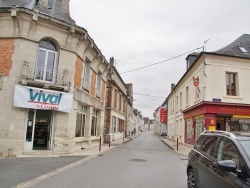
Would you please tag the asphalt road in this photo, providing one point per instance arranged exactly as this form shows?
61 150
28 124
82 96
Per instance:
14 171
143 162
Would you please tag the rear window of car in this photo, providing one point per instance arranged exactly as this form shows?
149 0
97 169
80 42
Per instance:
200 141
209 145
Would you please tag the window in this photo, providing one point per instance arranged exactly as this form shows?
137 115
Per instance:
94 123
86 79
209 144
46 62
176 106
120 102
228 151
197 90
80 121
115 98
180 100
187 95
98 85
55 6
231 79
200 141
243 49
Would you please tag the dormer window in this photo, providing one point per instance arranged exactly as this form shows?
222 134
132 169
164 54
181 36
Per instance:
243 49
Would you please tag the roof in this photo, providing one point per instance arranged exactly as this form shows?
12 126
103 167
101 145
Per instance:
20 3
40 5
233 49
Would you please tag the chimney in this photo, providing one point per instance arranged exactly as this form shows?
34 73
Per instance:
172 87
112 61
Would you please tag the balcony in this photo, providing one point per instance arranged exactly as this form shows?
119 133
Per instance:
45 76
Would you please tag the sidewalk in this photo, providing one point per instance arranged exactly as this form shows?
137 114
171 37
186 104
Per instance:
183 150
91 151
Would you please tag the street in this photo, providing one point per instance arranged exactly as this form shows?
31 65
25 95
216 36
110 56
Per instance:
142 162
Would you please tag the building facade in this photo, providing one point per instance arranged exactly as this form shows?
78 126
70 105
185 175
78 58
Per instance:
213 94
115 114
53 80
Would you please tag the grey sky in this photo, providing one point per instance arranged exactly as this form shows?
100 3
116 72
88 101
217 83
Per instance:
142 32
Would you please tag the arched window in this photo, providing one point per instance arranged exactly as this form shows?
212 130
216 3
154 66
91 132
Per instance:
46 61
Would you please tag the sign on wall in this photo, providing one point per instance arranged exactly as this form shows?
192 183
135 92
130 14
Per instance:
163 115
36 98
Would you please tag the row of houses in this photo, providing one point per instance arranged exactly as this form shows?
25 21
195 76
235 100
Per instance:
213 94
58 93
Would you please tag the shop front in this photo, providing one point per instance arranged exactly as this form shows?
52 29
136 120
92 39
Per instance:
41 105
215 116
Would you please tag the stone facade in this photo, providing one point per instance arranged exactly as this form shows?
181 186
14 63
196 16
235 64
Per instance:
22 33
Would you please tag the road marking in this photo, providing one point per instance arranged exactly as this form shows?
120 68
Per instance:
52 173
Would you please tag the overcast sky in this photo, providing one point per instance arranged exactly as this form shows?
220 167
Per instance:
138 33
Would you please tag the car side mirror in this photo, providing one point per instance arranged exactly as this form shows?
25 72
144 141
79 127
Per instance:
228 166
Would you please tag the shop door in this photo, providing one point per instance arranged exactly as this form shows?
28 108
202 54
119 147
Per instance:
39 129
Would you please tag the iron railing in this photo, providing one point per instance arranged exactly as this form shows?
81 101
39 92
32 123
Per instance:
45 73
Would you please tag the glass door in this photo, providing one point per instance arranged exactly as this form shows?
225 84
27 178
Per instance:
38 130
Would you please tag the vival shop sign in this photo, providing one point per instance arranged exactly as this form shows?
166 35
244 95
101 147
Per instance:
36 98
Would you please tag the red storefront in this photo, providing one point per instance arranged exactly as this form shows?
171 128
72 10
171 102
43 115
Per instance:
215 116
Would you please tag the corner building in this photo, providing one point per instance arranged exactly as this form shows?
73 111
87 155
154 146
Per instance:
213 94
52 80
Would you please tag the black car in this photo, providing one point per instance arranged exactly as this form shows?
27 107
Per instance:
219 159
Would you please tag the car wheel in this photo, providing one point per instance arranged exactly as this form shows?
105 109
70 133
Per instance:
191 179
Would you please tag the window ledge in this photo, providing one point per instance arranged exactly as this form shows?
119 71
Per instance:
233 97
196 100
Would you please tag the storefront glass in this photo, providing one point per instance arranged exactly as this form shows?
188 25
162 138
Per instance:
190 130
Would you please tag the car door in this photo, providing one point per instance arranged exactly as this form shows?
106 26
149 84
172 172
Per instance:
204 161
226 150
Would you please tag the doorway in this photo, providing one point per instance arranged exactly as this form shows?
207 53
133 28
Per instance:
38 137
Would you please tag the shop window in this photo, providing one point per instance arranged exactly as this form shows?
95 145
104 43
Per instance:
231 83
94 123
80 121
190 130
46 62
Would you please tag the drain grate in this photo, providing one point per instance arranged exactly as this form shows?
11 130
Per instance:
137 160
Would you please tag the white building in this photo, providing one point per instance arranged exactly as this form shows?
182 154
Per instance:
212 94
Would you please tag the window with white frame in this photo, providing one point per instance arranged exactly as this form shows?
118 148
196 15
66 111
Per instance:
180 100
46 62
197 91
187 95
86 79
177 105
80 121
231 83
94 123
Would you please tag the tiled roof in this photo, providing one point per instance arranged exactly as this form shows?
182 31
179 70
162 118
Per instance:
233 49
20 3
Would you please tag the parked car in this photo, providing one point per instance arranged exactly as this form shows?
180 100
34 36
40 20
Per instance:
219 159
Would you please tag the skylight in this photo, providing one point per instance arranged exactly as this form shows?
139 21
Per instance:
243 49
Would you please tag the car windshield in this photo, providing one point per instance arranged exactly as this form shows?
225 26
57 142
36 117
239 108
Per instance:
246 146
